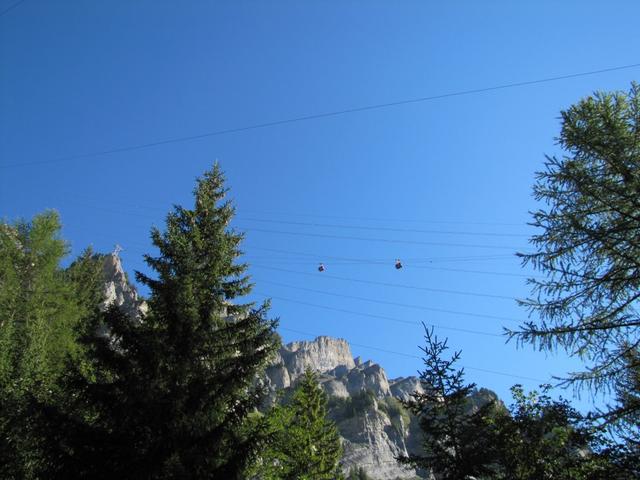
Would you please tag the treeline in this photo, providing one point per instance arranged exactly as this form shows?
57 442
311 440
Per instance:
89 392
86 391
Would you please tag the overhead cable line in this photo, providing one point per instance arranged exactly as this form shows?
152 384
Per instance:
299 214
393 352
346 260
396 304
407 263
394 285
364 260
378 219
338 237
380 317
249 229
464 270
386 229
11 7
382 240
317 116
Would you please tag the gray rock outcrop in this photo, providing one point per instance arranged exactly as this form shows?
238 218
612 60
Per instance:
322 355
371 422
118 291
403 387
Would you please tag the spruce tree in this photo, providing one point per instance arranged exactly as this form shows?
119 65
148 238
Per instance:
169 396
457 438
304 444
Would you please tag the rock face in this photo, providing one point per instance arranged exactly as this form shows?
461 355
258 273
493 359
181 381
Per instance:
403 387
363 402
373 426
323 354
117 289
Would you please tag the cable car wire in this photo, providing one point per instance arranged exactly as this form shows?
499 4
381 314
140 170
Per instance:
11 7
383 240
394 285
316 116
390 229
84 198
380 317
406 264
386 229
397 304
366 260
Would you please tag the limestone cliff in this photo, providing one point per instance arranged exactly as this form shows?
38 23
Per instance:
374 427
118 290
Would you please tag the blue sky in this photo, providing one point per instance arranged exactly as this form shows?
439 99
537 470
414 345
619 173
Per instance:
445 185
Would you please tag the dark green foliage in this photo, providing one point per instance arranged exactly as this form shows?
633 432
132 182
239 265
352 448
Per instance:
544 438
170 396
457 439
304 444
537 438
589 250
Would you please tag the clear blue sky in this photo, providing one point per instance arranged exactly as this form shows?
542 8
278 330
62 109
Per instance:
79 77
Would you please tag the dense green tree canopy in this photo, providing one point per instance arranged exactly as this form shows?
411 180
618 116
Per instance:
169 396
545 438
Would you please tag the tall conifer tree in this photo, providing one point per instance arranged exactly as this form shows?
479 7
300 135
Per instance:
170 394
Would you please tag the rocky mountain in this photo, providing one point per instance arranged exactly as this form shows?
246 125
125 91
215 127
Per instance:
117 288
363 401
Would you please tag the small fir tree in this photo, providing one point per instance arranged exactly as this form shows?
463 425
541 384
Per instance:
304 445
169 396
457 442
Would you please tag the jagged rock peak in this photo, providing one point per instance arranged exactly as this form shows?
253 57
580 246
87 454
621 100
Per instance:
117 289
322 354
403 387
